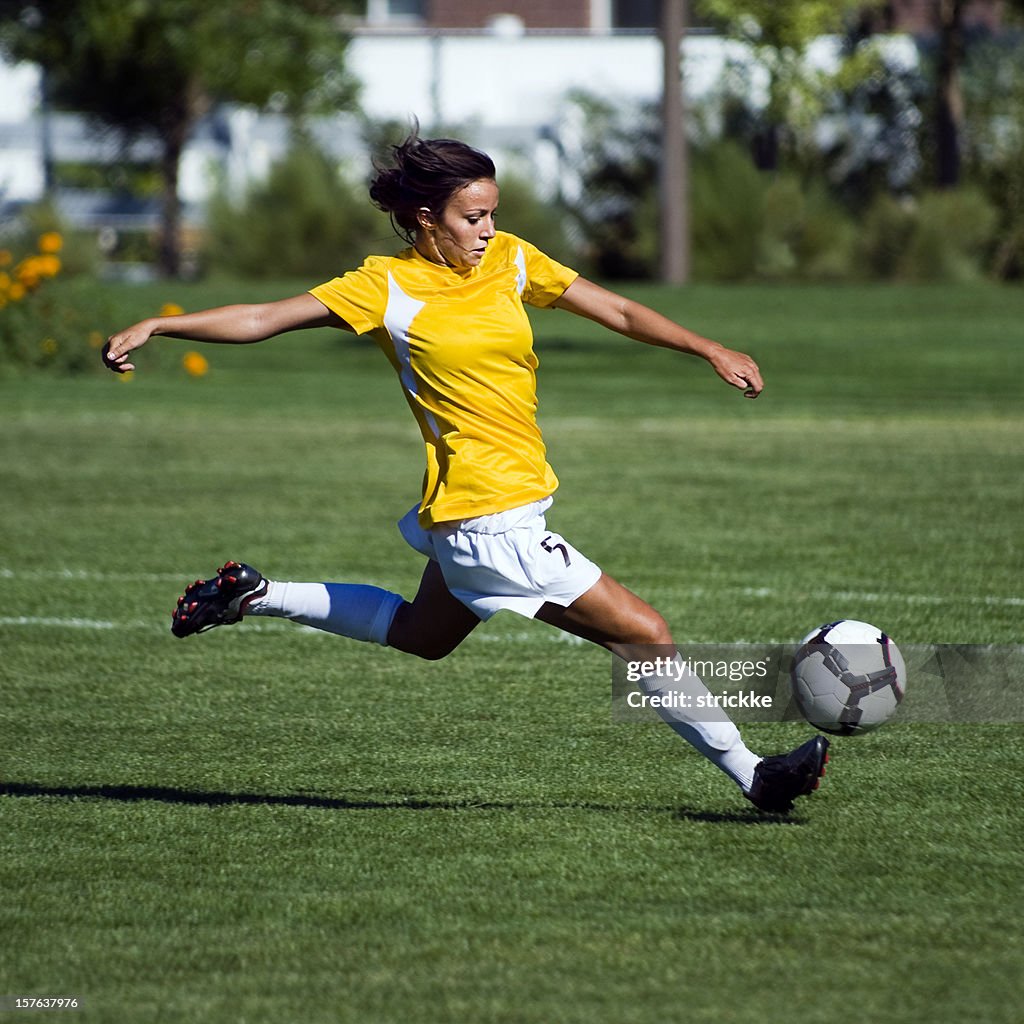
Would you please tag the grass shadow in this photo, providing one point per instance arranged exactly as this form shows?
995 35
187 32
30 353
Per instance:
748 816
204 798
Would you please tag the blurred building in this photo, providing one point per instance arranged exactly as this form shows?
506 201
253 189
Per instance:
531 15
913 16
921 17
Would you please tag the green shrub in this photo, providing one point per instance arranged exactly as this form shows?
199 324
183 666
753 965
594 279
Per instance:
525 214
727 213
747 224
305 221
884 236
79 253
804 234
942 236
47 323
952 234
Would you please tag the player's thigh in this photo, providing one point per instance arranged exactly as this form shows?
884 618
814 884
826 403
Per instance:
435 622
610 615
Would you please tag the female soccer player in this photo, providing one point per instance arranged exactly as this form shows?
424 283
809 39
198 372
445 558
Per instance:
448 312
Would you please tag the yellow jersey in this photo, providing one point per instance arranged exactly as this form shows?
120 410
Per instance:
462 346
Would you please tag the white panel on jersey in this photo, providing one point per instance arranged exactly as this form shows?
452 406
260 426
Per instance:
521 265
398 317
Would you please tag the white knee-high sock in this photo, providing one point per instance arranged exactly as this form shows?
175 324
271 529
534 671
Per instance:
709 729
348 609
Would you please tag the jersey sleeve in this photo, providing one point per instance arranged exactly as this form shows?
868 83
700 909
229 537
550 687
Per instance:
359 297
546 278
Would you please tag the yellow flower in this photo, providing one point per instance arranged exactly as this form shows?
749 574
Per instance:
126 376
196 365
28 271
96 339
6 259
48 346
50 242
5 280
171 309
47 266
16 292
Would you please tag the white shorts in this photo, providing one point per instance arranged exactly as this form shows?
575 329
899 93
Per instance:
509 560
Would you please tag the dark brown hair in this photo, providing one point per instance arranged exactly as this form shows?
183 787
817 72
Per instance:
425 173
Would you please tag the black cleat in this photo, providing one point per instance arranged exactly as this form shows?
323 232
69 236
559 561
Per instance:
780 779
217 602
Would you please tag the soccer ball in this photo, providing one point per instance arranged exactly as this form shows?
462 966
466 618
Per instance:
848 677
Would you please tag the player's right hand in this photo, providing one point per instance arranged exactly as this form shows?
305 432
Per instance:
115 352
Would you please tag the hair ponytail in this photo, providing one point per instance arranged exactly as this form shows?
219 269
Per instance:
425 173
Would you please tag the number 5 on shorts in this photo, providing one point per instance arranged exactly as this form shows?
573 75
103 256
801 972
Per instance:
552 548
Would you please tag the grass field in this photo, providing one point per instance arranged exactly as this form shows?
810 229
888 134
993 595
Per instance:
266 824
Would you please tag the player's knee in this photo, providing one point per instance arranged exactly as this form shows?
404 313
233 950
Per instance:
424 633
420 644
432 650
652 629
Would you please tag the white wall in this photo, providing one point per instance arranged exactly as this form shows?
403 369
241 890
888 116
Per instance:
19 91
21 163
515 82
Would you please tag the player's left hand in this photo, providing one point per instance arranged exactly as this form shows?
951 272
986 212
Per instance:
738 370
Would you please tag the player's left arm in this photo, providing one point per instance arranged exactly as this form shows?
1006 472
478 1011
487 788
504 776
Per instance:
641 323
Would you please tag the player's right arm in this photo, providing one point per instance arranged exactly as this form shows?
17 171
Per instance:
242 325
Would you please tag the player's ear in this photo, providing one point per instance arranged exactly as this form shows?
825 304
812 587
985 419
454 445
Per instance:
425 218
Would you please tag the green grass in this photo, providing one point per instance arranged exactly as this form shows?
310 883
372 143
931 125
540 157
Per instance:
267 824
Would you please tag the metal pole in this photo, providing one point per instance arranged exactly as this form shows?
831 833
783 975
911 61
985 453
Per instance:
674 178
46 136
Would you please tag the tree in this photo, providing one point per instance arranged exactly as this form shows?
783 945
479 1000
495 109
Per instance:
949 97
153 68
779 33
949 101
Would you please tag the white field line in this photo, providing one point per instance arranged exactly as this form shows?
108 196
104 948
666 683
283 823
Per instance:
101 625
271 626
765 593
97 625
50 620
872 597
87 575
92 576
866 596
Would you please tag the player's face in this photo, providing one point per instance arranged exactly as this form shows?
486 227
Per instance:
466 224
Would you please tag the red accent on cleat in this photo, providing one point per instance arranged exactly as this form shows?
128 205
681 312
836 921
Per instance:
219 601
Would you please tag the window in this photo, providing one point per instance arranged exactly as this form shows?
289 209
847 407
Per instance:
407 8
384 12
635 13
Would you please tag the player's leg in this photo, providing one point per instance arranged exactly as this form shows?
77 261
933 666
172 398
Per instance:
430 626
434 623
611 615
608 614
